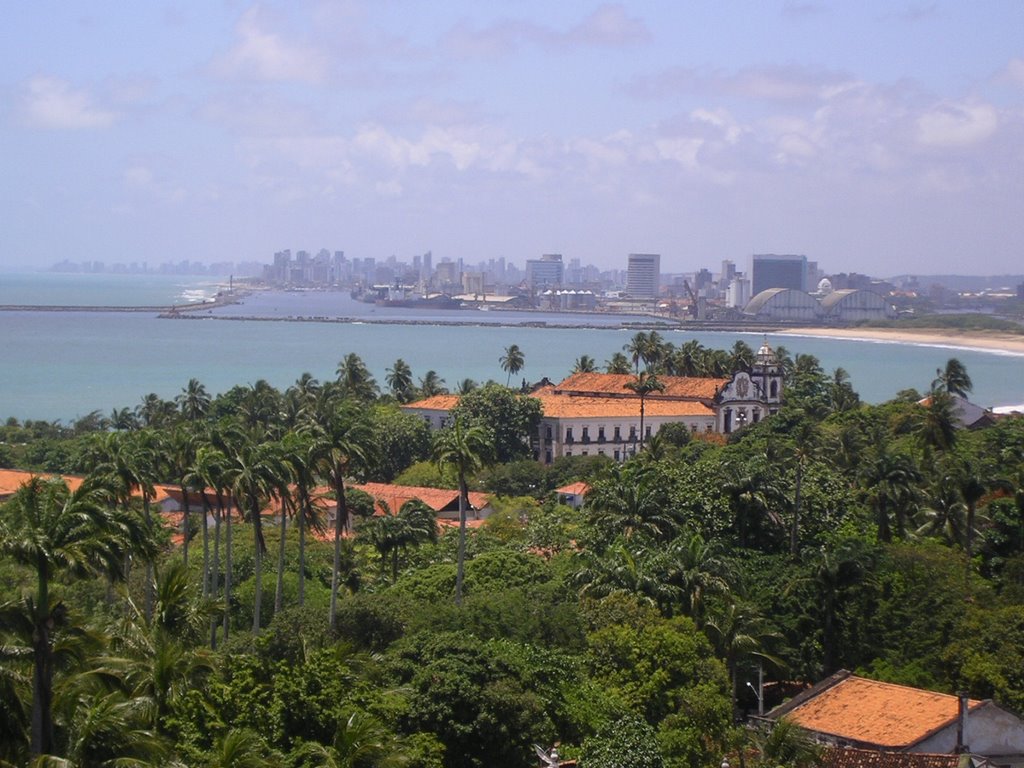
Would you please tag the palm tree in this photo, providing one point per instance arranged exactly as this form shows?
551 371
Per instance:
399 379
741 356
254 471
739 633
194 401
687 359
341 442
953 379
466 450
466 386
51 530
355 379
431 384
512 361
935 426
890 479
584 364
643 385
301 457
627 506
618 363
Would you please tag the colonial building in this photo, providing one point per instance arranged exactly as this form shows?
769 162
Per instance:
597 414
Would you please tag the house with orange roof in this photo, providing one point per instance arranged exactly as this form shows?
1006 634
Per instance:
597 414
444 502
572 494
845 710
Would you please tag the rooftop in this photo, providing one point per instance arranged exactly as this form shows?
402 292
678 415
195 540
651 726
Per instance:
683 387
870 712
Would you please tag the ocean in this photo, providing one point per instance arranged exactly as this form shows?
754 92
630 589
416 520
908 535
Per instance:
62 365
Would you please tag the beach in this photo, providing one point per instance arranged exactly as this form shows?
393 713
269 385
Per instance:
992 341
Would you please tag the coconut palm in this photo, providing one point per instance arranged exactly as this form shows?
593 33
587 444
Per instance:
52 531
618 363
953 379
466 386
465 450
431 384
194 401
512 362
254 471
399 379
342 440
643 385
355 379
739 633
584 364
889 480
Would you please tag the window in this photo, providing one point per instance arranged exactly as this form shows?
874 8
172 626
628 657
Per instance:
632 432
586 434
647 431
547 457
547 432
693 428
568 453
568 435
616 454
600 434
757 415
618 435
774 389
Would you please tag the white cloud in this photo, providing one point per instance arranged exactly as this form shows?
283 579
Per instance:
955 125
262 54
53 103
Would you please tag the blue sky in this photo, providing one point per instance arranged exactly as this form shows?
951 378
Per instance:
872 136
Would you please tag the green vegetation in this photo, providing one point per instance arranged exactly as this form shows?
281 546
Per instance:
278 621
958 322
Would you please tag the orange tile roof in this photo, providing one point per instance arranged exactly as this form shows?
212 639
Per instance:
12 479
576 489
435 498
615 384
586 407
435 403
871 712
848 757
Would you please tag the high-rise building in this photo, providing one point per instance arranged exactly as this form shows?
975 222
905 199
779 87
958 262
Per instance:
774 271
545 272
643 275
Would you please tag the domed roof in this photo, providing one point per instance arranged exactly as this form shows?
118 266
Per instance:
766 355
825 286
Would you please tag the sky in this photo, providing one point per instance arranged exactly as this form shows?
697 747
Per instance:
878 137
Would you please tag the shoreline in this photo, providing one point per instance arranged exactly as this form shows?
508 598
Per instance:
985 341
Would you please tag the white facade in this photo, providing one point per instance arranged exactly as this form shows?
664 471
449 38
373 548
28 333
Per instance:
643 275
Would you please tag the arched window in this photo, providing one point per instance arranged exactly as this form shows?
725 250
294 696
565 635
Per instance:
774 389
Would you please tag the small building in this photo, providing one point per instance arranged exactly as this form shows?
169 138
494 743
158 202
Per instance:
573 494
967 414
845 710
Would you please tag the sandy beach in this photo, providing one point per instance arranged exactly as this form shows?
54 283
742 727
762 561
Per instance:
1001 342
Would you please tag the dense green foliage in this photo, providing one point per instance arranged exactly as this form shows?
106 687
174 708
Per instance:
876 538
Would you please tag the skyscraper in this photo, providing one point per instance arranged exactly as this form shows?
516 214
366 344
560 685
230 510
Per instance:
643 275
545 272
773 271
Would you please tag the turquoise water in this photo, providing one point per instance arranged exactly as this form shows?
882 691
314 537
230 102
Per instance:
59 365
103 290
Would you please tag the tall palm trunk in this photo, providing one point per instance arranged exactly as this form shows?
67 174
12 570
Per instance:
185 525
340 522
42 677
150 592
215 569
206 545
460 567
279 590
228 566
301 522
260 547
794 534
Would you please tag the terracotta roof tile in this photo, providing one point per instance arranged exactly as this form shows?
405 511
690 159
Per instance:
576 489
615 384
12 479
871 712
838 757
435 403
435 498
565 406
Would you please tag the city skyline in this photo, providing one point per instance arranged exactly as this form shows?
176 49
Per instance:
865 136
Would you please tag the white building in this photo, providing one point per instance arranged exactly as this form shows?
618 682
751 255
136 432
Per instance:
643 275
596 414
